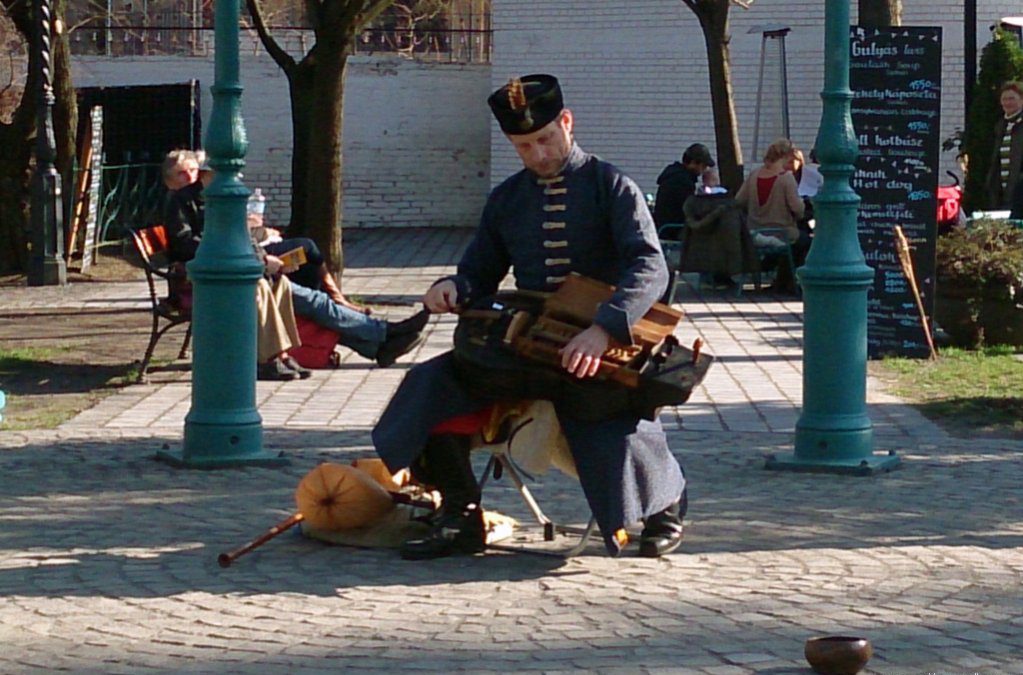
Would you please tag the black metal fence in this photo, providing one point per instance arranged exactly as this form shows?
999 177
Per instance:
173 39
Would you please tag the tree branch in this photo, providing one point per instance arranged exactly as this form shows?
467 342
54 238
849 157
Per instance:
312 13
375 10
24 118
19 12
280 57
98 12
10 70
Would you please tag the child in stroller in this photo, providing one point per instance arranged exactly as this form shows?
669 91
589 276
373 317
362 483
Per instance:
950 213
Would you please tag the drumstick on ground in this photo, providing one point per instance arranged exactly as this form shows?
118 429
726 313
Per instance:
225 559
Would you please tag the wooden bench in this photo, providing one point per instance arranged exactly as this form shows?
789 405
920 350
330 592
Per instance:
175 309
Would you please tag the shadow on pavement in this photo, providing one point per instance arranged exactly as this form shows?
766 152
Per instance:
86 514
34 378
80 511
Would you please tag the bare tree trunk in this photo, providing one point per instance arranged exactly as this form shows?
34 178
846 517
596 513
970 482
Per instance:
880 13
65 110
323 169
714 22
16 140
317 102
301 81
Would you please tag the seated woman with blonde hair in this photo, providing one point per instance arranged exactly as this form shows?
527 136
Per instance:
770 194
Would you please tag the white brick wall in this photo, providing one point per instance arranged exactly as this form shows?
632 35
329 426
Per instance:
635 73
416 145
417 141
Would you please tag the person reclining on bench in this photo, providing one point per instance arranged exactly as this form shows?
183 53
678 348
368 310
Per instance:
566 211
375 339
183 217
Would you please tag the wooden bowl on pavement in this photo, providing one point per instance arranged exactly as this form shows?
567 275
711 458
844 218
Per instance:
837 655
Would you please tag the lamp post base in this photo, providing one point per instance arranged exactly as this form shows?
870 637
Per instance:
221 446
214 461
858 466
49 271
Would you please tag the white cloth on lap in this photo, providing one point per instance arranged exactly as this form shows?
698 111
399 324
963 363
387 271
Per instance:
766 241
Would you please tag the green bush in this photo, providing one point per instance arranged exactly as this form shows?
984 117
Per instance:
1000 61
987 255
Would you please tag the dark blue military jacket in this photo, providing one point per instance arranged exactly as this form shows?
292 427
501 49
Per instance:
593 220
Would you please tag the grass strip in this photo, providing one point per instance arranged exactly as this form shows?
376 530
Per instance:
965 391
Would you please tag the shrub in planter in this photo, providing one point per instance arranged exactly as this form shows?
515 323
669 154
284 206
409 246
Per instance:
979 298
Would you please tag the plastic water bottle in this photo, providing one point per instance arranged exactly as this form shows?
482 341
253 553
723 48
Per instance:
257 203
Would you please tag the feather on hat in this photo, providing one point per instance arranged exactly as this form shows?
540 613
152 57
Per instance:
527 104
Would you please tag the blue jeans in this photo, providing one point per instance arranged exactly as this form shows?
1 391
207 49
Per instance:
358 332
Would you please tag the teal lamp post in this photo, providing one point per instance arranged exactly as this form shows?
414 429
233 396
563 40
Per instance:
223 427
834 433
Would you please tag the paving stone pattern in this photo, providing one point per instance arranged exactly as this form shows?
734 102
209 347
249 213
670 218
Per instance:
108 558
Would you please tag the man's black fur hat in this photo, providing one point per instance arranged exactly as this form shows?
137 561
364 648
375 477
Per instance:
527 103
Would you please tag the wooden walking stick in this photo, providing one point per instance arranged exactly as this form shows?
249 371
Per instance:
906 261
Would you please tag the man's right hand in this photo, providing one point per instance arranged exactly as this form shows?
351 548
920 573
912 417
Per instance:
273 264
442 297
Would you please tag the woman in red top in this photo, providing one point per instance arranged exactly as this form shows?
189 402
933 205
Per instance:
773 206
770 194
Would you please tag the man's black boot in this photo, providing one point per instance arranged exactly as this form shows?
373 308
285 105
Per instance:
662 532
458 527
454 532
414 324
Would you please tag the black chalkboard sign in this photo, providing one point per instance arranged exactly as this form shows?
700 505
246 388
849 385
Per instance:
895 76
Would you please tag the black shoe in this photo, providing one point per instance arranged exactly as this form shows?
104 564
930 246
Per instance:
275 369
784 287
300 370
662 533
414 324
457 533
722 280
395 346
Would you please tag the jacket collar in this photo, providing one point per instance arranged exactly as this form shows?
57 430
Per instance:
575 161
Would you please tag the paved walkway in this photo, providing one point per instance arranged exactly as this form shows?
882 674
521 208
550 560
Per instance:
107 558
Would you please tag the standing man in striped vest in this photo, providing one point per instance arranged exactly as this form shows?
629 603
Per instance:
1004 172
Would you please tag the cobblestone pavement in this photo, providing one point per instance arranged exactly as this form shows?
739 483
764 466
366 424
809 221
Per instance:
108 558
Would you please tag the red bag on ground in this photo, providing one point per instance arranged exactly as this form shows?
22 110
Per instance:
317 350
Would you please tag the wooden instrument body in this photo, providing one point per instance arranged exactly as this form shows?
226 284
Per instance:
572 309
